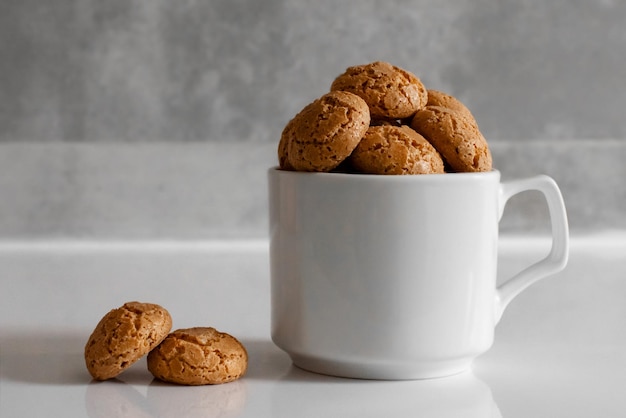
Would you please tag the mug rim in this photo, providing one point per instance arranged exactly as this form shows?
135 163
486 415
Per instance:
387 177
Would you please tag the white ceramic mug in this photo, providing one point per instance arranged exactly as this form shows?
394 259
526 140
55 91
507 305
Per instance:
394 277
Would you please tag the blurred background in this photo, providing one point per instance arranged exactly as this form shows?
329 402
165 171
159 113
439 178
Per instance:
155 119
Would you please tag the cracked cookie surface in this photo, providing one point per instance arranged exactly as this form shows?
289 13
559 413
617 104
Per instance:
441 99
324 133
389 149
283 145
389 91
123 336
198 356
457 138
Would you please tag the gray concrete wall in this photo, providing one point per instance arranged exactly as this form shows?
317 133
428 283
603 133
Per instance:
128 75
236 70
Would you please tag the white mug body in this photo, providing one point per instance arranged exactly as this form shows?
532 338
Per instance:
383 277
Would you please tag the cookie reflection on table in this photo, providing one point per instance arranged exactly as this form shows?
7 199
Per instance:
115 398
211 401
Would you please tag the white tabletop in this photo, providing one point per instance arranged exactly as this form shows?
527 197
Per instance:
559 351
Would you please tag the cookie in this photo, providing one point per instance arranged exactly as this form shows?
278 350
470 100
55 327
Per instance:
123 336
457 138
283 145
198 356
389 91
391 149
326 131
439 98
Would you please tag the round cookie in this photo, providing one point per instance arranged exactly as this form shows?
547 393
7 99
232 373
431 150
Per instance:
439 98
198 356
389 149
123 336
283 146
326 131
457 138
390 91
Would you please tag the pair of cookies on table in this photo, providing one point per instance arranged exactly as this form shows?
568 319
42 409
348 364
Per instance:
380 119
192 356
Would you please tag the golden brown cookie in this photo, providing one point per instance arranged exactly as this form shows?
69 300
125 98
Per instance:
391 149
457 138
283 145
198 356
326 131
438 98
123 336
389 91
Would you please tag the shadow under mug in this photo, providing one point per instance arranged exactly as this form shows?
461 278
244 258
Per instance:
394 277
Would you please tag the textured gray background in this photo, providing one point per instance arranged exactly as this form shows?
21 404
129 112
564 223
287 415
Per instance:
115 115
236 70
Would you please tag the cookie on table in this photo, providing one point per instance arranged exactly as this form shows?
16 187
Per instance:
198 356
123 336
325 132
441 99
389 91
389 149
456 137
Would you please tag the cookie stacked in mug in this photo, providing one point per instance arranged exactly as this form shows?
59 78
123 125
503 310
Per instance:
380 119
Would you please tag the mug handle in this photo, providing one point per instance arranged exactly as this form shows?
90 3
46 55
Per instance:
556 260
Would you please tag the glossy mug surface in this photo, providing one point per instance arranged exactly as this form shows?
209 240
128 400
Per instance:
394 277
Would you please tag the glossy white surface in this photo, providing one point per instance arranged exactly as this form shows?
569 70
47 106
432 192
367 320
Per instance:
559 350
394 277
